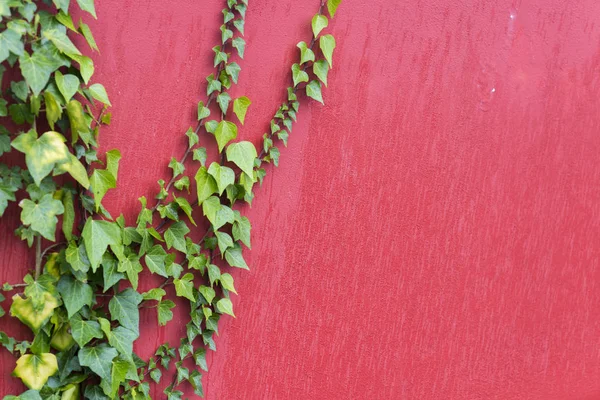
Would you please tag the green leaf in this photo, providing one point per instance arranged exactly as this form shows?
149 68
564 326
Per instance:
75 294
98 92
243 155
313 90
155 260
234 257
192 137
43 153
79 124
224 306
77 257
41 216
83 331
10 42
75 168
205 184
306 54
186 208
154 294
164 312
124 308
98 359
87 34
36 70
239 44
97 236
103 180
184 286
69 214
132 267
298 74
175 236
217 214
241 230
176 166
86 66
61 41
319 22
332 6
233 70
224 241
207 292
33 315
225 132
35 369
87 5
200 155
67 84
223 100
227 282
327 45
203 112
109 272
122 339
195 380
240 107
320 69
182 184
224 176
119 370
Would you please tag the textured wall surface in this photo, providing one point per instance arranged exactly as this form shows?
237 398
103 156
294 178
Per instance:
433 231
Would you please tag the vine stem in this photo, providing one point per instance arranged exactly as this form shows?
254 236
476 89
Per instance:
38 256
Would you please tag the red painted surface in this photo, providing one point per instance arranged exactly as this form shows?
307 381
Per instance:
433 231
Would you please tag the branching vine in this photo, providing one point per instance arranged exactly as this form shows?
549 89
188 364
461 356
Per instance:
80 298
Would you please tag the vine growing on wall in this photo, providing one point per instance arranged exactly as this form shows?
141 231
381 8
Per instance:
80 299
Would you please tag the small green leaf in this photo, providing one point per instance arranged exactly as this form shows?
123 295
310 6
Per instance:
98 92
193 138
83 331
223 100
239 44
154 294
36 70
69 214
132 267
241 230
176 166
320 69
217 214
103 180
298 74
97 236
243 155
332 6
319 22
75 294
87 5
35 369
224 306
224 241
306 54
87 34
327 45
313 90
240 107
175 236
207 292
234 257
205 184
164 312
98 359
61 41
224 176
123 307
86 66
203 112
227 282
225 132
233 70
155 260
67 84
184 286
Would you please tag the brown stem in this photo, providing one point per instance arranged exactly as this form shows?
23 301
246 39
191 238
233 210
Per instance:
38 256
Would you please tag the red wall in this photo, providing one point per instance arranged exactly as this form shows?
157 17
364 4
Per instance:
433 231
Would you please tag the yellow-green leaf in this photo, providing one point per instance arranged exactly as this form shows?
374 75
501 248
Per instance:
35 369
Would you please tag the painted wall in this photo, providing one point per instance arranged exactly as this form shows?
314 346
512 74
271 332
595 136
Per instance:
433 231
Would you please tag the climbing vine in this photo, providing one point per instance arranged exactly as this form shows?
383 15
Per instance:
81 298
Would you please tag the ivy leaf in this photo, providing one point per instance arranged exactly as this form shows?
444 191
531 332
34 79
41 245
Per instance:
124 308
122 339
109 272
61 41
43 153
86 66
155 260
225 132
186 208
233 70
319 22
154 294
75 294
132 267
224 306
203 112
176 166
207 292
224 176
239 44
200 155
313 90
192 137
35 369
83 331
224 241
205 184
217 214
241 230
97 236
327 45
234 257
243 155
87 5
320 69
77 257
105 179
10 40
175 236
306 54
164 312
87 34
30 394
119 370
36 70
67 85
298 75
184 286
98 359
98 92
80 126
195 380
41 216
75 168
240 107
31 315
223 100
332 6
227 282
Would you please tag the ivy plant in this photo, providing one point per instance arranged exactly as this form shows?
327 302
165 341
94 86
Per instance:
80 299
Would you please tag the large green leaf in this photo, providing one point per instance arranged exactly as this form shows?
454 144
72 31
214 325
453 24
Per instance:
122 339
327 45
175 236
98 359
83 331
224 176
320 69
35 369
36 70
298 74
217 214
67 84
155 260
97 236
43 153
243 155
313 90
205 184
123 307
75 294
41 216
225 132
